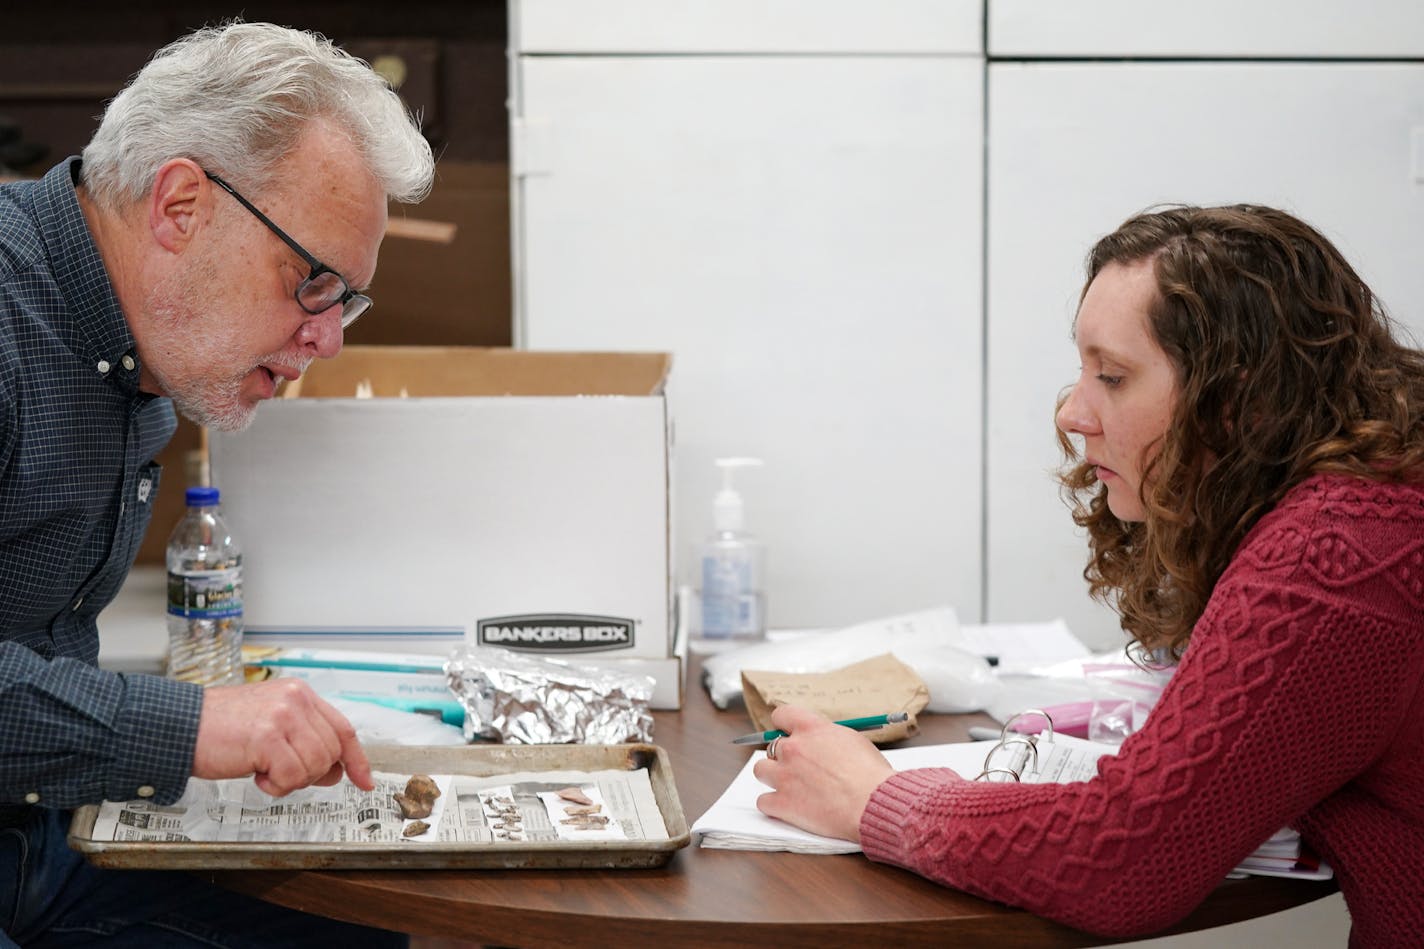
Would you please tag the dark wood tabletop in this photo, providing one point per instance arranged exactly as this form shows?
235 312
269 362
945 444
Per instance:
713 898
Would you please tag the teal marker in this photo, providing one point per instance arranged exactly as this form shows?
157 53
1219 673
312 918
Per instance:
859 724
294 662
451 713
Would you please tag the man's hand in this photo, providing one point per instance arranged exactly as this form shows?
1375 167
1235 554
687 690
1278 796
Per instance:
280 732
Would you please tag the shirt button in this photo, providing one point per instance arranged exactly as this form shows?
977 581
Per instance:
128 362
77 604
146 791
32 798
103 367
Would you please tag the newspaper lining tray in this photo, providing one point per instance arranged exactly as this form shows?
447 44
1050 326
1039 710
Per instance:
477 760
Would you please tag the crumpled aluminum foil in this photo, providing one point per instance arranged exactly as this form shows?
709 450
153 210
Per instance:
531 700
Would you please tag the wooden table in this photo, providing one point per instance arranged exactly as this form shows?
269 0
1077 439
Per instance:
713 898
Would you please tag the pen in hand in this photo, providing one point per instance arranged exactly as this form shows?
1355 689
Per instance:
859 724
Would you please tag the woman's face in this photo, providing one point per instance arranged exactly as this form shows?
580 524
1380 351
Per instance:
1127 387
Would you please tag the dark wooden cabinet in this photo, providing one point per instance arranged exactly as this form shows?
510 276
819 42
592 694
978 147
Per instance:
447 60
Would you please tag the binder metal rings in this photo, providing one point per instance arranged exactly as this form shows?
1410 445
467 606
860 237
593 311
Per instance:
1006 763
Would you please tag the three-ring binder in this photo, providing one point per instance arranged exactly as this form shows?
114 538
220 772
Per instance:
1015 750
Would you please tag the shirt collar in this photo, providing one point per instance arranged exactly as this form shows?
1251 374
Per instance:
99 334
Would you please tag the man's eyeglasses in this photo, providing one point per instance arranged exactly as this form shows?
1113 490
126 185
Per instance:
323 288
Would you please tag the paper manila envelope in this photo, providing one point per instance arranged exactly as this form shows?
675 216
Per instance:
875 686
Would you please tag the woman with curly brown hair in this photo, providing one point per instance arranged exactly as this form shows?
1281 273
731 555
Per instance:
1246 448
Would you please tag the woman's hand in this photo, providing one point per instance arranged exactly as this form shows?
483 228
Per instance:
822 776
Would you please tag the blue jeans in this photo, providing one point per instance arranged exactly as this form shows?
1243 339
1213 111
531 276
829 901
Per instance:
50 896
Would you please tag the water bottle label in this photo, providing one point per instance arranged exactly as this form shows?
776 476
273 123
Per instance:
205 594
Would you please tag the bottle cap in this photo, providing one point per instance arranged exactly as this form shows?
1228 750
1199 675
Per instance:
201 497
727 506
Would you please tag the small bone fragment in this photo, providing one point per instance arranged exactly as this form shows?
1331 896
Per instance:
576 795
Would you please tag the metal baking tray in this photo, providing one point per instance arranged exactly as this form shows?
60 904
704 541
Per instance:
478 760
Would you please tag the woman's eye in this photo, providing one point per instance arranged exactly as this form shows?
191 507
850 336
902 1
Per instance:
1112 382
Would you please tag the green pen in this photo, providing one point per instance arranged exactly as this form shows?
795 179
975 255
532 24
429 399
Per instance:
859 724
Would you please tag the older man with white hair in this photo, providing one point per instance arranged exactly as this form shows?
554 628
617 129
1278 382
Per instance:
216 237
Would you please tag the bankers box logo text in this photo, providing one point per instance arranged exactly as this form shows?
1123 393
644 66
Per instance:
557 632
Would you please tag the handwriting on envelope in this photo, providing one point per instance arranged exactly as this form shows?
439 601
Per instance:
876 686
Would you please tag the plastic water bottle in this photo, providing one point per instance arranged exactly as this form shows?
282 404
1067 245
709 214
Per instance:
204 595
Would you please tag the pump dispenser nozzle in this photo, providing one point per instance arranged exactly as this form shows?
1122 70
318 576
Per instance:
727 506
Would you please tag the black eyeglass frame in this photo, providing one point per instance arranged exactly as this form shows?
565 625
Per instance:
353 304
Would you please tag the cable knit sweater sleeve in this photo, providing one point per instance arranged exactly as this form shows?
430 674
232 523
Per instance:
1298 688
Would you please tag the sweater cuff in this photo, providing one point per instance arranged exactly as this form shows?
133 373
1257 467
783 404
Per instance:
156 731
891 811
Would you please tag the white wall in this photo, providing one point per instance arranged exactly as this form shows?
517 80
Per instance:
794 198
1076 147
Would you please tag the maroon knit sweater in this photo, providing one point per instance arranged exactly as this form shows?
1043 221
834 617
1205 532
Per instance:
1298 703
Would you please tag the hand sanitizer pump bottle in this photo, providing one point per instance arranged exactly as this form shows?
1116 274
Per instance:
733 568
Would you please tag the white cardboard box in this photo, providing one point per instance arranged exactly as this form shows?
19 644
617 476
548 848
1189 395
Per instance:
517 499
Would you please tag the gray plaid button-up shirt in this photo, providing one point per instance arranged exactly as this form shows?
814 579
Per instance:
77 480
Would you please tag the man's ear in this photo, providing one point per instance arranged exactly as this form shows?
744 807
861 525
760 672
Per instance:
179 204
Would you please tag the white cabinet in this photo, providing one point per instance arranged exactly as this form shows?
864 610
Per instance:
1075 148
681 27
803 233
1376 29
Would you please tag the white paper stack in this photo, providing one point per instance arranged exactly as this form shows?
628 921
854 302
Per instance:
734 823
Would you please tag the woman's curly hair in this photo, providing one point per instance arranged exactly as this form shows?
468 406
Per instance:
1287 366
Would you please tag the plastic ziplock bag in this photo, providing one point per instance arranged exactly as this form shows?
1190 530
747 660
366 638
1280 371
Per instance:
928 642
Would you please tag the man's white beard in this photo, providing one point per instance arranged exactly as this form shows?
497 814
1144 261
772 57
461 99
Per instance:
206 395
210 408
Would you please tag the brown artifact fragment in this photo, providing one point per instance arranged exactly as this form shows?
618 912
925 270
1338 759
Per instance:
419 797
574 794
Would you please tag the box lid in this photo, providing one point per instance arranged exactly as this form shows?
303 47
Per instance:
416 371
